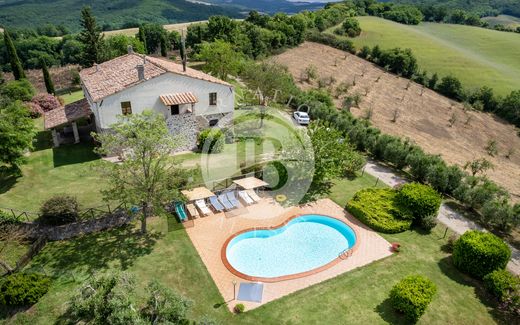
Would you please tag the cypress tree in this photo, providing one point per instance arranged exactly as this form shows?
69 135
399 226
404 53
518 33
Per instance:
16 65
142 38
91 38
49 85
164 51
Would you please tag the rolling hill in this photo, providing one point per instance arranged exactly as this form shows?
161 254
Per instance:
480 7
477 56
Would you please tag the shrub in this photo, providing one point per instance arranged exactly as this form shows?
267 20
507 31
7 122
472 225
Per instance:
412 295
34 109
479 253
47 102
59 210
377 208
428 222
351 27
22 289
211 140
18 90
420 200
501 283
239 308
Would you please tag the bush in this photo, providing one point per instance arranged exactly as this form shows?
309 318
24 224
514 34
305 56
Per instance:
479 253
239 308
420 200
428 222
22 289
349 27
211 140
34 109
47 102
378 209
59 210
501 283
412 295
18 90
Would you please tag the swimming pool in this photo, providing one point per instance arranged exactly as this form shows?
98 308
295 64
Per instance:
303 244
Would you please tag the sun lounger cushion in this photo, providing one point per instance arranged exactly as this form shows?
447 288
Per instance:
216 204
246 197
223 199
192 210
232 199
253 195
202 206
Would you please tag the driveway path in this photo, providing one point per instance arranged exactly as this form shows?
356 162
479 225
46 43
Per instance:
451 218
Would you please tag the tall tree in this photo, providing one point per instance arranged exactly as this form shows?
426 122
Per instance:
16 135
145 177
164 48
49 84
221 59
90 37
142 37
16 65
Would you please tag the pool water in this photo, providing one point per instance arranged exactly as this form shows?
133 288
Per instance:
305 243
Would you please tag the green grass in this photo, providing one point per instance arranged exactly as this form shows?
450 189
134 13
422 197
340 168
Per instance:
356 297
72 97
477 56
345 188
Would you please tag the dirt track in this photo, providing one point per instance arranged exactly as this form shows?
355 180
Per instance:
423 115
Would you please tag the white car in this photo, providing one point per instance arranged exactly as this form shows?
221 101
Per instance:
301 118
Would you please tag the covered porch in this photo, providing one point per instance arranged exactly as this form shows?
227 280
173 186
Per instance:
70 123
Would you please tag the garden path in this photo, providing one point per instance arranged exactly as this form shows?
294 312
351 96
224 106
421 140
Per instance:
451 218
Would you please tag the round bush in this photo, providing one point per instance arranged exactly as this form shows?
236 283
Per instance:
47 102
479 253
21 289
239 308
421 200
412 295
211 140
59 210
501 283
428 222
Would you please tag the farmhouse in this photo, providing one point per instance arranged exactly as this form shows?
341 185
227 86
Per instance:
189 100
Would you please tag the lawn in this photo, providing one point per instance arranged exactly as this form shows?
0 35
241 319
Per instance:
505 20
356 297
72 97
477 56
345 188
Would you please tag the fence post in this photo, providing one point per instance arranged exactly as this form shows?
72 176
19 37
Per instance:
109 211
445 232
377 181
12 211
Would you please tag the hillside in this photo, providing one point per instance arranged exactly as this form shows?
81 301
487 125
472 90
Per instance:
477 56
422 118
505 20
480 7
110 14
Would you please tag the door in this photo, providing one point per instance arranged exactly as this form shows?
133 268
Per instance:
174 109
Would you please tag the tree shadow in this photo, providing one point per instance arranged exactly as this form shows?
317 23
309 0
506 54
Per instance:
42 141
6 312
94 252
389 314
7 179
73 154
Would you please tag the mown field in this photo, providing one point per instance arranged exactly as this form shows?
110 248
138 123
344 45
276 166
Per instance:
477 56
508 21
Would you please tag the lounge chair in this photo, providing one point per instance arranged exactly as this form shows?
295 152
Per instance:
232 199
217 206
192 211
202 207
225 202
179 209
253 195
245 198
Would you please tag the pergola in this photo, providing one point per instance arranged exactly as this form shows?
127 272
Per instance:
197 193
66 115
249 183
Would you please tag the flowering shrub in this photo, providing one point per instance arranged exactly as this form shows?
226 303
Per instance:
34 109
46 102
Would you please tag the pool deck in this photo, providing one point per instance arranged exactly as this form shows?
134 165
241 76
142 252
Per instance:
210 233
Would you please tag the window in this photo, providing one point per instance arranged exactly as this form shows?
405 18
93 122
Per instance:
126 108
213 98
174 109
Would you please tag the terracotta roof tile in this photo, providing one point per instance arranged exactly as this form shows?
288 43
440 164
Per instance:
64 115
178 98
120 73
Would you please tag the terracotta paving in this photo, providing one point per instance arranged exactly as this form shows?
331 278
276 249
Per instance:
210 233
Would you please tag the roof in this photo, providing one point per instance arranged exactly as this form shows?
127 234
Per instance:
178 98
250 183
64 115
197 193
120 73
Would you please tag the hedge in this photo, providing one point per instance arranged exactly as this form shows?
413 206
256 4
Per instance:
479 253
377 208
412 295
501 283
211 140
59 210
420 200
22 289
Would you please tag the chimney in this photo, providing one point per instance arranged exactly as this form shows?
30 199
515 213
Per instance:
130 49
183 58
97 67
140 71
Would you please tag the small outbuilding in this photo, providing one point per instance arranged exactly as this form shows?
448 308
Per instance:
61 120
